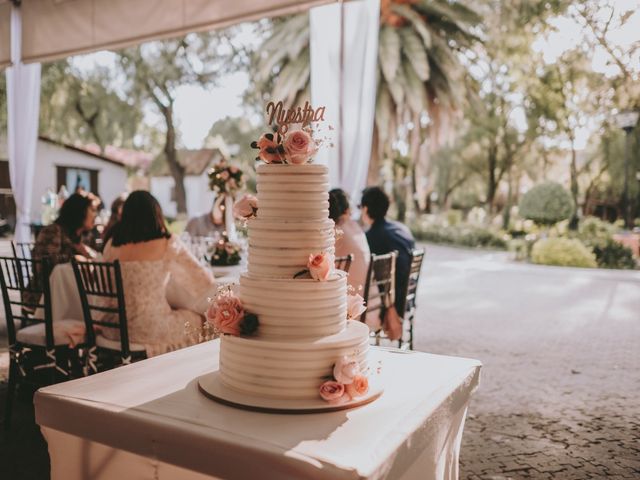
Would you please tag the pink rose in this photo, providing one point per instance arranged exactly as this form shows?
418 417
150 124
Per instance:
268 150
359 386
346 369
320 266
226 314
246 207
224 175
298 147
331 391
355 306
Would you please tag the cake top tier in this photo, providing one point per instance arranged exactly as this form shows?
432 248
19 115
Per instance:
280 168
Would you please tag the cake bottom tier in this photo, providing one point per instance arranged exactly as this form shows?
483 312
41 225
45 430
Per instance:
289 370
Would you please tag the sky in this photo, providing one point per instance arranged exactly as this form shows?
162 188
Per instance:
197 108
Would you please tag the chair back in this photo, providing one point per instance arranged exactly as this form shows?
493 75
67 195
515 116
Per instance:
102 299
380 283
22 249
417 255
344 263
26 295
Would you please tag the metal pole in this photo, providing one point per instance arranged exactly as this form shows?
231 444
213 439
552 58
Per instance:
625 192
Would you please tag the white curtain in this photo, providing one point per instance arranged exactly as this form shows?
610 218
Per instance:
23 99
343 78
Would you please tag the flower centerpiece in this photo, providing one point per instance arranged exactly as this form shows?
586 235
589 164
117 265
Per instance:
226 180
225 253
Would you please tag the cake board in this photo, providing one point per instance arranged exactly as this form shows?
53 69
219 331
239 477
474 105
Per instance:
212 387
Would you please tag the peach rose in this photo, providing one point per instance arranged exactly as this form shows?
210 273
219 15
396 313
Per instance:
226 314
298 147
224 175
331 391
320 266
355 306
269 152
359 386
346 369
246 207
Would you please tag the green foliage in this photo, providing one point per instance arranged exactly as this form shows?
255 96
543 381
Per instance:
594 232
562 252
614 255
547 203
460 235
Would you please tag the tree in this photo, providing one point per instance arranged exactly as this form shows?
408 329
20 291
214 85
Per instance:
547 203
156 70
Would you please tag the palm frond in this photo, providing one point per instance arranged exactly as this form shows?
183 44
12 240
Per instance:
415 52
389 52
416 20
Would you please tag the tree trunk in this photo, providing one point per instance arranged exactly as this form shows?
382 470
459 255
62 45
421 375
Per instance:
177 170
373 175
492 183
573 223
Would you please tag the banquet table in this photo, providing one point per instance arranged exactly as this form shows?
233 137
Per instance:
149 420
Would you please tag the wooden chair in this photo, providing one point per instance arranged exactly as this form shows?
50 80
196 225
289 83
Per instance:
22 249
103 306
37 354
344 263
417 255
379 290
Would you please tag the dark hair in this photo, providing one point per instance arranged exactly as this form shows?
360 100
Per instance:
376 201
72 215
141 220
116 206
338 203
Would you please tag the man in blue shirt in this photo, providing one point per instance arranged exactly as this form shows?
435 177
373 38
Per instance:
384 236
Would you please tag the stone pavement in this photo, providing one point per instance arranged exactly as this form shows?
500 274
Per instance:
558 397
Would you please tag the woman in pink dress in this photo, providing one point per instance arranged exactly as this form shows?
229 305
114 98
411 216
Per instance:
150 257
353 240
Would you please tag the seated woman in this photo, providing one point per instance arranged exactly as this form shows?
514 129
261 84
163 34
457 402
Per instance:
353 240
150 257
62 240
116 213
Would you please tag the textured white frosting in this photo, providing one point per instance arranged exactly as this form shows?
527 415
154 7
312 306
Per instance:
301 309
288 369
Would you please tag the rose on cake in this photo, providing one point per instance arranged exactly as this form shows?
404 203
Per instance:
333 392
246 207
270 150
347 382
355 306
298 147
320 266
359 386
227 315
346 369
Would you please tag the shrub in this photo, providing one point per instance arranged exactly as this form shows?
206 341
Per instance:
461 235
562 252
546 204
612 254
594 232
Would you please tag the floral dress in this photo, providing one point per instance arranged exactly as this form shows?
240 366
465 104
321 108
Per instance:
151 320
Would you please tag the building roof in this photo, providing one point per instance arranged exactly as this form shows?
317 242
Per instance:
195 162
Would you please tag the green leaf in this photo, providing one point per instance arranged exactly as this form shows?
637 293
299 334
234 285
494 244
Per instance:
389 52
384 112
416 20
416 97
414 50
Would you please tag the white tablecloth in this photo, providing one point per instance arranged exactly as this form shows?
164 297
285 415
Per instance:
149 420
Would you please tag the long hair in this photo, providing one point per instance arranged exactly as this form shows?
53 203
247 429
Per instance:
72 215
338 203
116 207
141 221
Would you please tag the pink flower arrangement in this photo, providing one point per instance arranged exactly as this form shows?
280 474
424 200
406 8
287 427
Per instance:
347 382
320 266
298 147
355 306
246 207
227 315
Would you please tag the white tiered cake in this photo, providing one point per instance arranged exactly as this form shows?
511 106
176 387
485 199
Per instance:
303 328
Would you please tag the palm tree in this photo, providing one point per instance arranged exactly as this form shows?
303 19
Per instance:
420 72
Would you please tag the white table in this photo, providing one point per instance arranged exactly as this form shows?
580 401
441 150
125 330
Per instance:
149 420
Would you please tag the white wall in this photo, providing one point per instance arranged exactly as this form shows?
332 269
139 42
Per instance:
112 178
199 197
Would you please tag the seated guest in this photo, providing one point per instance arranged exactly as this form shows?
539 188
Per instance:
116 213
62 240
150 256
211 224
384 236
353 240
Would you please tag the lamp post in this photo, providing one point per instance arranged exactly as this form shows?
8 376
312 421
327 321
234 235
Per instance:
627 120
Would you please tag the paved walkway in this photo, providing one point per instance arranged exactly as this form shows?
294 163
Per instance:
560 384
560 347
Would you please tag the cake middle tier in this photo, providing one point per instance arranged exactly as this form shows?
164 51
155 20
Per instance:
296 308
281 249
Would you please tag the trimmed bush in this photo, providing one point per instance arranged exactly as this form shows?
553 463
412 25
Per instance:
594 232
461 235
546 204
612 254
562 252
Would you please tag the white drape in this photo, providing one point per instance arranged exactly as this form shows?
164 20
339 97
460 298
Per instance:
348 83
23 100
